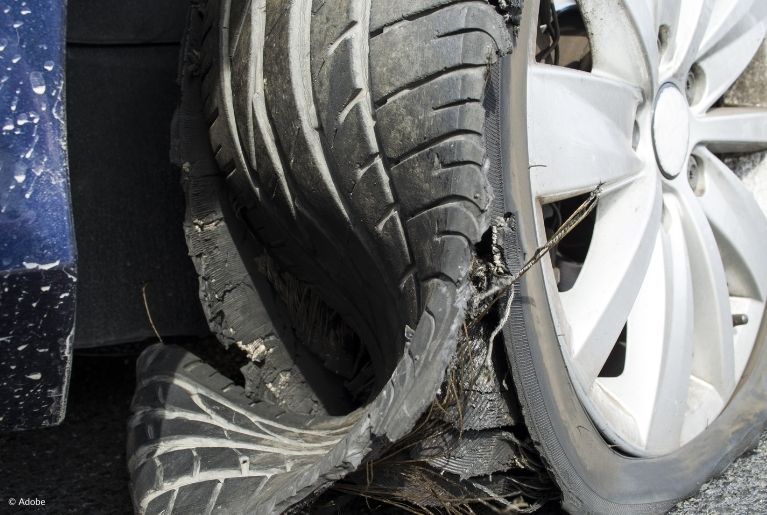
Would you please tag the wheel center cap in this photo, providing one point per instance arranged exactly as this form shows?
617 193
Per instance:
671 129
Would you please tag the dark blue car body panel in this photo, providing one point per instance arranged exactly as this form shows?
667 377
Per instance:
37 244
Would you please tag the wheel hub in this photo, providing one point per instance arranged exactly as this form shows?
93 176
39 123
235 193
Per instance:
671 130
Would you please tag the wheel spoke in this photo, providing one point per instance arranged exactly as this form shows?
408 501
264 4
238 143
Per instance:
580 131
725 16
724 62
667 14
704 403
599 303
731 129
659 345
739 225
675 367
623 39
686 38
530 17
713 360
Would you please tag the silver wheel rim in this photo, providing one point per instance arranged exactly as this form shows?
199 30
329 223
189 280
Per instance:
678 254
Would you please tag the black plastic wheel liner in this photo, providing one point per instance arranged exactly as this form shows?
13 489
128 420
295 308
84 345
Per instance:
125 22
121 69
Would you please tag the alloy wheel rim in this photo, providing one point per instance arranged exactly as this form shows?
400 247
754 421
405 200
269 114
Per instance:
676 266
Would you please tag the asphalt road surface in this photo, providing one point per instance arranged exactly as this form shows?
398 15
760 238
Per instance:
741 489
79 467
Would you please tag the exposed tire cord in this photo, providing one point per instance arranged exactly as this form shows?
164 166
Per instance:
349 147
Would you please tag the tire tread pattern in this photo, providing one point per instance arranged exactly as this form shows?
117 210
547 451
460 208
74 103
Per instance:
357 162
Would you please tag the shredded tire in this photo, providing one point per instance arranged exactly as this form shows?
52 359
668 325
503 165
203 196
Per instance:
339 146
